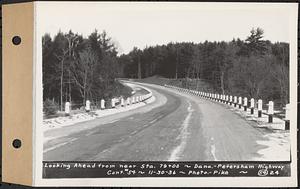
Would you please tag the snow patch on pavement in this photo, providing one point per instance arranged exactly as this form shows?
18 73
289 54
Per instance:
183 135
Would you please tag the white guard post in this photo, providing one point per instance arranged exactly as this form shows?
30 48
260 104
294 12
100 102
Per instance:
259 106
87 106
138 99
113 105
128 101
252 106
270 111
122 102
240 102
67 108
102 104
287 117
245 103
235 101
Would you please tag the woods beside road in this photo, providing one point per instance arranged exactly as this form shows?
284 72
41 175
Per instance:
179 93
176 126
78 68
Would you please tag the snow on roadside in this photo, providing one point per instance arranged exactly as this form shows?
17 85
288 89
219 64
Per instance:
278 124
59 122
275 143
276 147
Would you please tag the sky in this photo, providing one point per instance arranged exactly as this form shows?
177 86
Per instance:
148 24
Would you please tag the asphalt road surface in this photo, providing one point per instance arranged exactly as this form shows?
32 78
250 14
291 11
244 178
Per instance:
176 127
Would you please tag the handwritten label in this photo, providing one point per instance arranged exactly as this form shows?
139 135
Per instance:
162 169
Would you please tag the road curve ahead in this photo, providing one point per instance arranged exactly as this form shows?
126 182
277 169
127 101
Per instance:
176 127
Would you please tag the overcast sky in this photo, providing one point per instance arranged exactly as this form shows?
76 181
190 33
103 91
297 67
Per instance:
146 24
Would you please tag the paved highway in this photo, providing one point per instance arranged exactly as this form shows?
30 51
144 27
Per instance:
176 127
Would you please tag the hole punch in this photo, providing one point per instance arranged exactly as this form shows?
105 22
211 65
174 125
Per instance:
17 143
16 40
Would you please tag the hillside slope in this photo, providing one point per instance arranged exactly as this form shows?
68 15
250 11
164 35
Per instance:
195 84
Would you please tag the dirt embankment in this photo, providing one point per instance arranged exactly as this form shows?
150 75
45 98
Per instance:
195 84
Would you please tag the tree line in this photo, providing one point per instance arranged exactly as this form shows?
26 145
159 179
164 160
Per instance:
77 68
253 67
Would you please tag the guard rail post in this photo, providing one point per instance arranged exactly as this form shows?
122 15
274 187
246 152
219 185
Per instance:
252 106
287 117
67 108
270 111
259 107
102 104
113 105
235 101
128 101
245 104
122 102
87 106
240 102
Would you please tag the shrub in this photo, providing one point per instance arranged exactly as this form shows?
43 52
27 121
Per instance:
50 107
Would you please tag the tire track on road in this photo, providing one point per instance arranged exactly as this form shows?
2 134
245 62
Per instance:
183 136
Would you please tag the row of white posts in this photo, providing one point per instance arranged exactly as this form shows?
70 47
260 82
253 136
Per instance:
114 101
241 103
127 102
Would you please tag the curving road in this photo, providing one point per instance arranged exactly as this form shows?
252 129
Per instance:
176 127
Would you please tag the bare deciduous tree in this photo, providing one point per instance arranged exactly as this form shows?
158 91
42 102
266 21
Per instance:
83 71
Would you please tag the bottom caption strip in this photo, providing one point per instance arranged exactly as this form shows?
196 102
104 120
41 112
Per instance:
164 169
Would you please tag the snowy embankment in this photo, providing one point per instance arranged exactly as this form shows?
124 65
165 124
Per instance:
276 147
276 142
58 122
277 124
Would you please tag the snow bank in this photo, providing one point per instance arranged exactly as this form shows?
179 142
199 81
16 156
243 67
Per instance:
278 124
277 147
276 144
